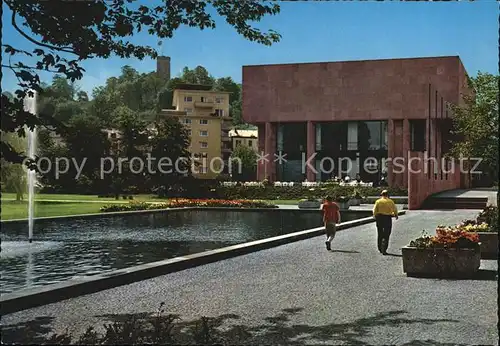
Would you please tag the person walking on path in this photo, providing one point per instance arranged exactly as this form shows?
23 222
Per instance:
331 217
383 211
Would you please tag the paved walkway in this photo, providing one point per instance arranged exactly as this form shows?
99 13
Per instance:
490 193
301 294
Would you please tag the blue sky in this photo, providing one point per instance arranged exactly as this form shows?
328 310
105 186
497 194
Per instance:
317 31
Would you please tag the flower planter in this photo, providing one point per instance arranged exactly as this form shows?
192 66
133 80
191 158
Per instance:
441 263
309 204
489 245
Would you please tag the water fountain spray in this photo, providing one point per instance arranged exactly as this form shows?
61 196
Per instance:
31 106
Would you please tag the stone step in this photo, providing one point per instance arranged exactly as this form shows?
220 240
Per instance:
455 203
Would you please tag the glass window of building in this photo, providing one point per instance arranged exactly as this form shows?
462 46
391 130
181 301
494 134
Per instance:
417 135
372 135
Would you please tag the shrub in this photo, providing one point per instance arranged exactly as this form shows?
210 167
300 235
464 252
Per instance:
357 194
486 221
297 191
489 215
158 329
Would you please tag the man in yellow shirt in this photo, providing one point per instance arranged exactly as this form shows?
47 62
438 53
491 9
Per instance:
383 211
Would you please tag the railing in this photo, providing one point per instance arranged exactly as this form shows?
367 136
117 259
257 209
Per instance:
204 104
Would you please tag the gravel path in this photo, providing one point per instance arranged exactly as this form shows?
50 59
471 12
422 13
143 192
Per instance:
301 294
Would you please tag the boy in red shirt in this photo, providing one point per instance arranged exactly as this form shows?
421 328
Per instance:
331 217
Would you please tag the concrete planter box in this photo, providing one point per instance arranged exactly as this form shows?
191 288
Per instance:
344 205
309 204
441 263
354 201
489 245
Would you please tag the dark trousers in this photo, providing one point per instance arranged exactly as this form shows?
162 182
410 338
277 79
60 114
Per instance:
384 228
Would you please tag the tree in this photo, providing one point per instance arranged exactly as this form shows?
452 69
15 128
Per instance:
476 123
140 93
227 84
84 129
248 159
13 174
235 109
64 33
170 141
105 101
132 144
82 96
62 100
61 89
199 75
66 110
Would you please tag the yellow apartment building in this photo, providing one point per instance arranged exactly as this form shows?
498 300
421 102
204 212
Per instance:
206 115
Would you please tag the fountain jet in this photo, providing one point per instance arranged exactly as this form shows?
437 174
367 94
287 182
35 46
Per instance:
30 106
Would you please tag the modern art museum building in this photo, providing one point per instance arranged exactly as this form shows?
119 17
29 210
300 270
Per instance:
317 120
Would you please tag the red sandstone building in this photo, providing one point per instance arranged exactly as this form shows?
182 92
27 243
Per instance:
353 110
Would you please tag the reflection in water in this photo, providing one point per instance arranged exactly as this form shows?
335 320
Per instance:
86 246
29 270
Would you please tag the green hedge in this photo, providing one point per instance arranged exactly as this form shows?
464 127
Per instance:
300 192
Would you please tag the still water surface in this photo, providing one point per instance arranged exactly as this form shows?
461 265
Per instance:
66 249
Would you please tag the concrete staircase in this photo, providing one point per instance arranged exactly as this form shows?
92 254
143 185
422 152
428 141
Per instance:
451 203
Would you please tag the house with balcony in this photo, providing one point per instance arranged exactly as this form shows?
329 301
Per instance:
205 113
247 138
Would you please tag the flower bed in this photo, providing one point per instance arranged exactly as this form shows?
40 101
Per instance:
181 203
220 203
133 206
452 252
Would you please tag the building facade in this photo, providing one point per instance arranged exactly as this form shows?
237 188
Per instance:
205 113
355 118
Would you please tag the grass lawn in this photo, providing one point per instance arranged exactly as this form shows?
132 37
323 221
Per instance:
83 204
75 197
284 201
145 197
19 210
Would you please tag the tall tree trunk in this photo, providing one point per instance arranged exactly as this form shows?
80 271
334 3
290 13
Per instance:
19 195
